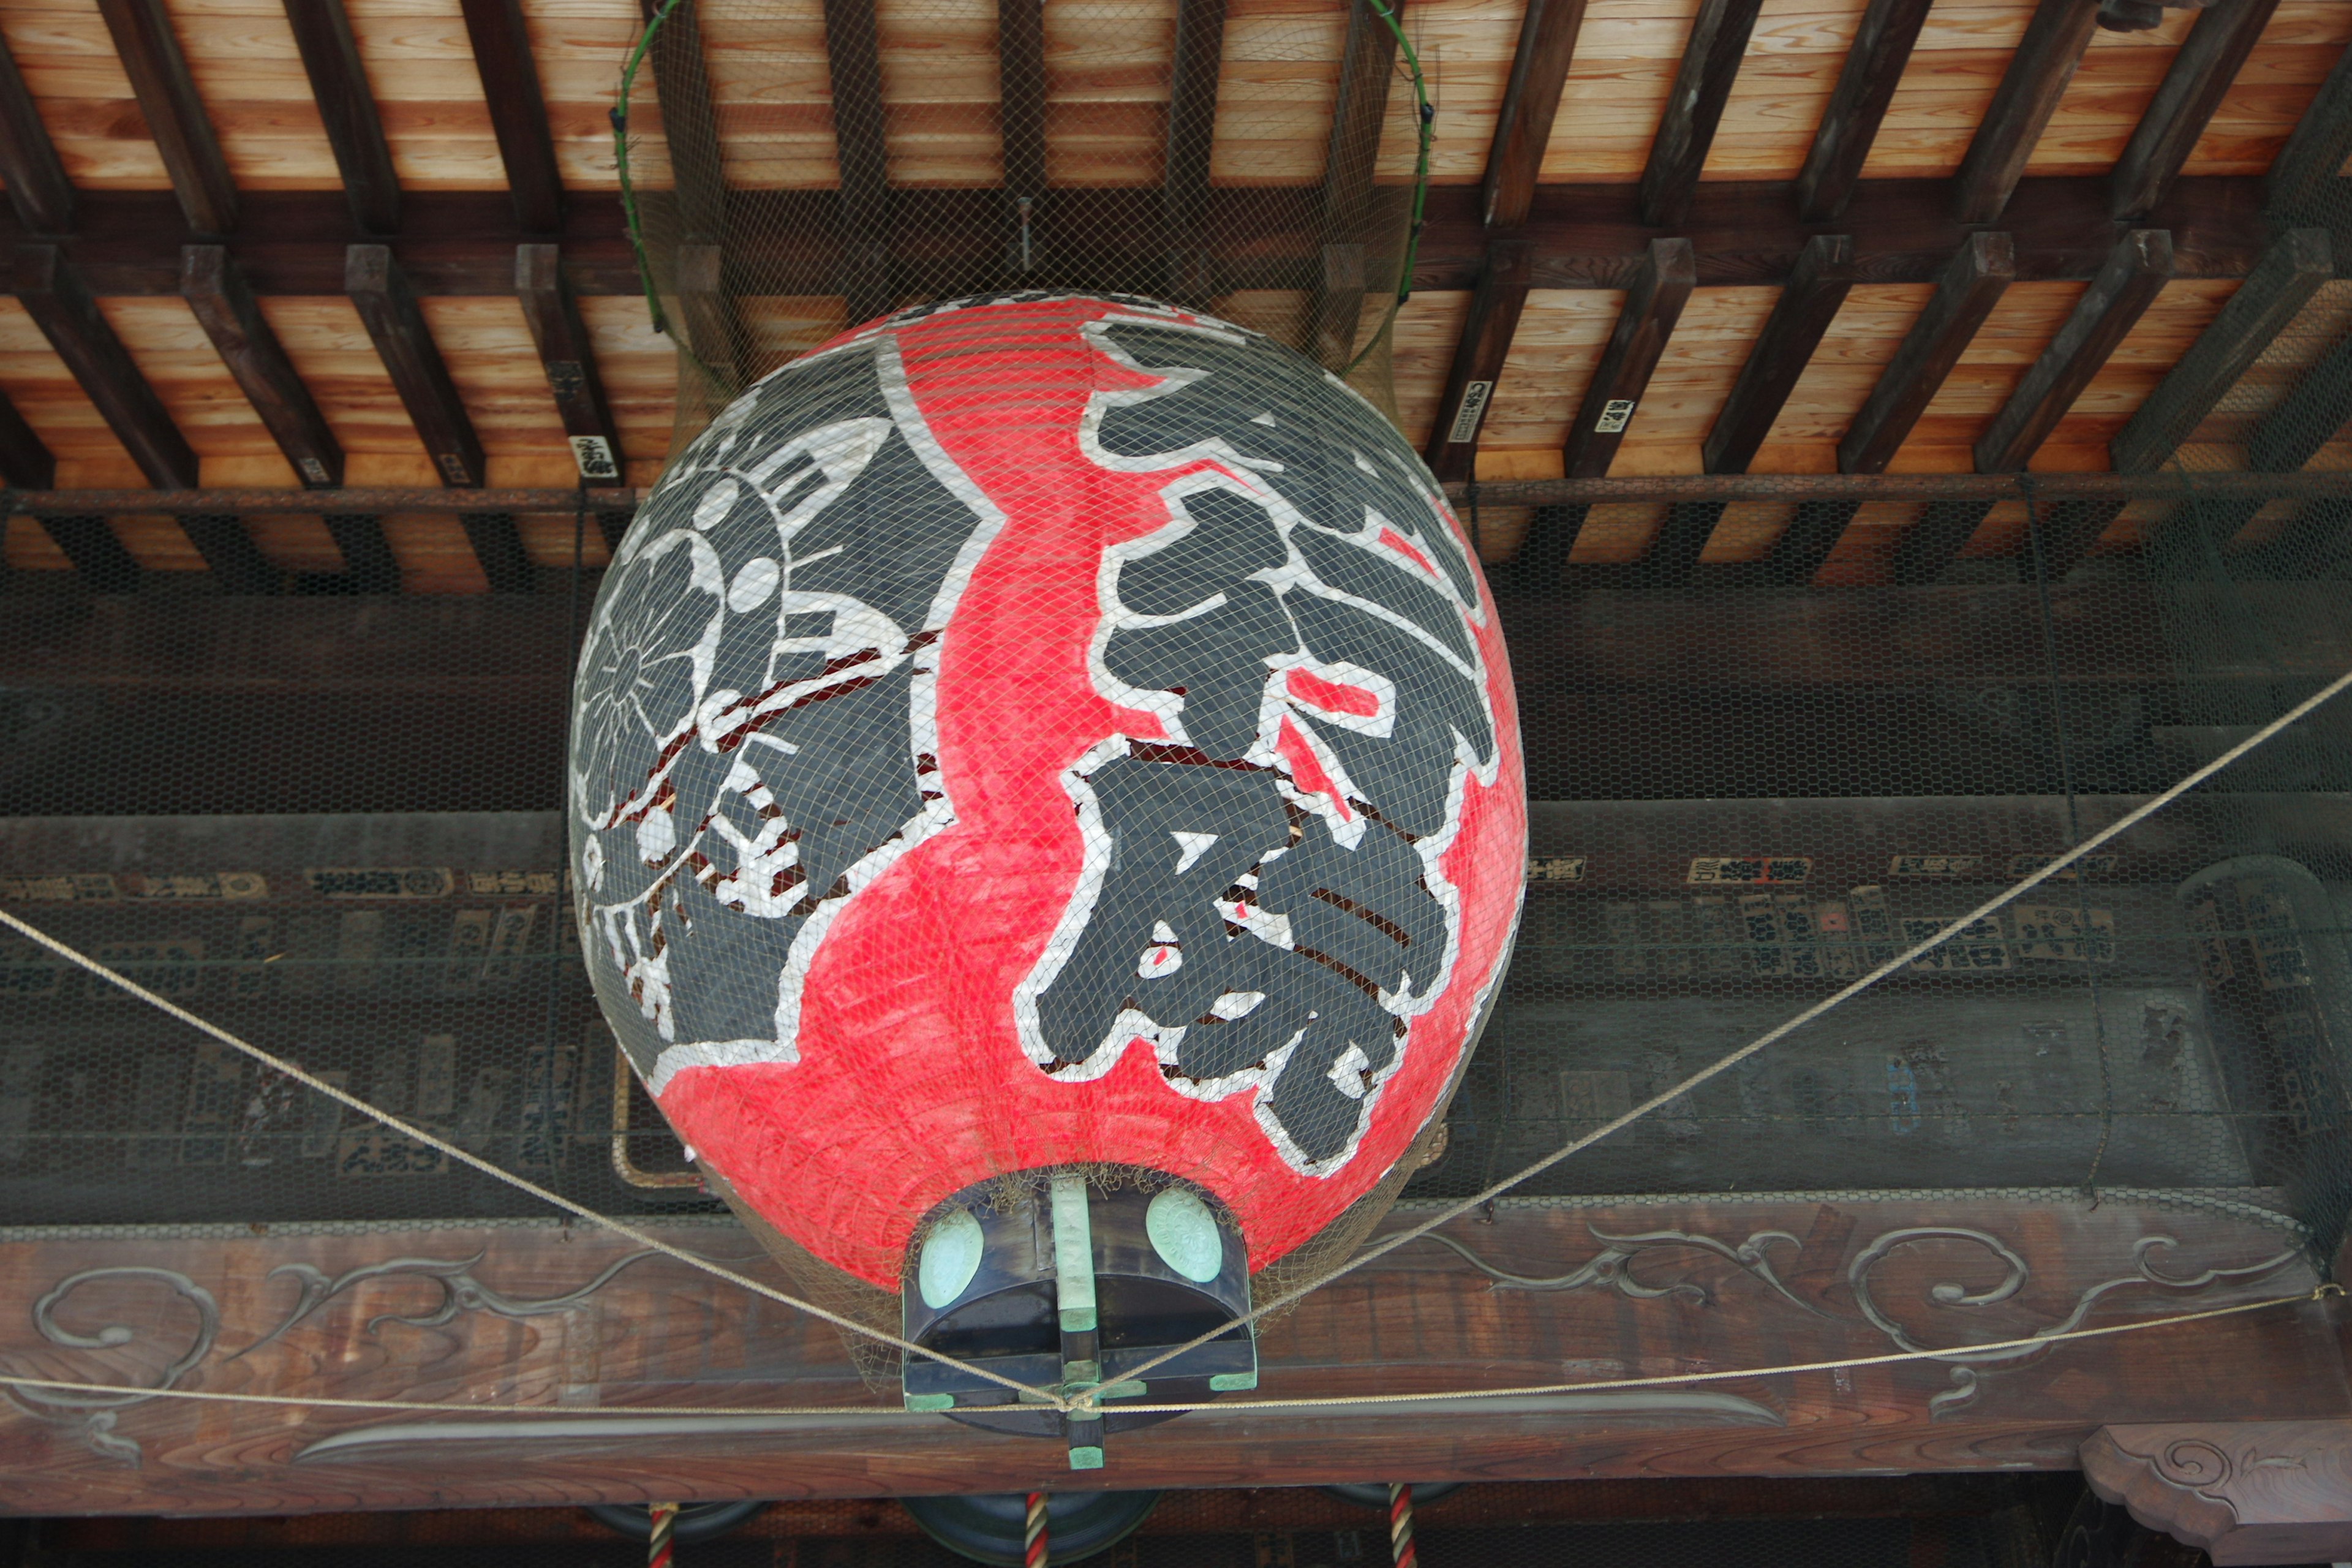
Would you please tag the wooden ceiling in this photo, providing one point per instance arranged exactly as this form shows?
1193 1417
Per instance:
1971 234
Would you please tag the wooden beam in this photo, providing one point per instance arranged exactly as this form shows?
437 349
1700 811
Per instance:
37 187
1719 41
1799 318
2135 273
1192 79
498 549
369 564
1021 93
95 552
854 62
2200 74
714 333
224 305
1971 283
62 306
1478 358
1813 531
690 120
2303 174
331 55
174 111
2312 413
26 463
1367 64
388 309
570 361
2021 106
1873 66
1654 304
2296 264
519 120
229 553
1547 33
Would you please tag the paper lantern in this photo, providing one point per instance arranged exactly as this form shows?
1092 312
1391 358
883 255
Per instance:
1042 733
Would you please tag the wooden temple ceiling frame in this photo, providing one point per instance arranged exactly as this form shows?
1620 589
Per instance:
1661 238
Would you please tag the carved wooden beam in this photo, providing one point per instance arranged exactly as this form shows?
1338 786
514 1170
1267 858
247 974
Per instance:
511 85
1494 309
2304 172
1547 33
37 187
224 305
2243 1491
174 111
2193 88
347 108
1367 62
62 306
570 361
2021 106
1873 66
854 65
1191 128
1719 41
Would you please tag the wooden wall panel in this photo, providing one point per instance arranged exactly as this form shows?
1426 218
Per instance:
2304 40
2005 347
1106 64
1281 77
1793 59
1560 338
1625 62
939 91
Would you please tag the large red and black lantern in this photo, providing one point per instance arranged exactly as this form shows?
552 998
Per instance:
1046 733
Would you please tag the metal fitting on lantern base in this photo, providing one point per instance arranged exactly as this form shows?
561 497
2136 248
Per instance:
1061 1285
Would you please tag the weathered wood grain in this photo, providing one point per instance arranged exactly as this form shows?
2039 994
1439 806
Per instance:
389 309
1654 304
1479 359
1710 66
331 54
224 305
37 187
177 118
1874 68
518 110
2029 91
1972 283
2201 74
1523 126
61 304
2241 1491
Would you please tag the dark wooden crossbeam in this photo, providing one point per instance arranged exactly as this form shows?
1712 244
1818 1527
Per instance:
395 324
689 117
2021 106
331 56
1192 76
1718 40
235 562
224 305
95 553
2304 173
26 462
2200 74
1020 125
1873 66
518 110
1547 33
1971 284
2309 417
175 112
854 61
37 187
1367 64
570 361
62 306
369 564
1494 309
2297 263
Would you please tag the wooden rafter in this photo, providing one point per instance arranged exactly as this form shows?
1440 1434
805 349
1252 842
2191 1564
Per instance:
570 361
177 118
854 61
1486 333
2028 96
1190 142
501 42
95 553
2305 169
1717 43
1971 283
347 108
2216 49
1547 34
1020 119
224 305
37 187
229 553
62 306
395 324
26 463
1866 86
1367 63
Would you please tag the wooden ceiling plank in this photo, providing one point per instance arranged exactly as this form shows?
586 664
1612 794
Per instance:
1654 304
395 324
2136 272
2201 75
37 187
1495 306
853 63
95 552
1710 65
1873 66
2289 272
1971 284
1359 112
568 357
230 554
2305 170
518 106
1192 82
1547 34
174 111
1800 318
224 305
2037 78
347 107
62 306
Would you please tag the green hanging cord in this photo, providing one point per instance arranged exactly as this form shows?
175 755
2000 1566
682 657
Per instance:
620 115
1426 115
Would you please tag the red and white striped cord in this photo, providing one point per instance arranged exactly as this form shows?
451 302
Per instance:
1400 1524
657 1544
1034 1544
